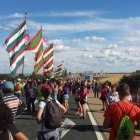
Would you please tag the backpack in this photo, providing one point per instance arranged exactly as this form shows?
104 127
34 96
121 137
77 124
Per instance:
52 118
17 88
126 127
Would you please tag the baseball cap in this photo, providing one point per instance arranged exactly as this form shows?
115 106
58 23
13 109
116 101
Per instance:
8 85
18 79
45 86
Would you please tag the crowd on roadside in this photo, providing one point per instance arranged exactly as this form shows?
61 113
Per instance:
54 95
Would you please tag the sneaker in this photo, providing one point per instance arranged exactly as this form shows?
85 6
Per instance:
102 109
84 118
81 114
76 113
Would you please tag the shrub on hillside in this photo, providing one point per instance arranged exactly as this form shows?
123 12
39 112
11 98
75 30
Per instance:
132 80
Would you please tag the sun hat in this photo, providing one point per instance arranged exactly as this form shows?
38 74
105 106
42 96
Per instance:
8 85
18 79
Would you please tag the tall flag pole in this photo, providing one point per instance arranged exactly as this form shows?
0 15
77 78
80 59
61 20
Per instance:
58 70
25 40
36 45
48 60
15 47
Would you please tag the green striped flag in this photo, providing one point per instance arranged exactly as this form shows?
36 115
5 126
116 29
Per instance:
36 45
15 47
48 60
58 70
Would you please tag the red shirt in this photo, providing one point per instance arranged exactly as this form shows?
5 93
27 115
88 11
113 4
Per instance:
81 94
115 114
104 92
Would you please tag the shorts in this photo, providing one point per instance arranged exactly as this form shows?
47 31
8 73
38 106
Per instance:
103 99
48 135
82 102
65 96
14 130
77 100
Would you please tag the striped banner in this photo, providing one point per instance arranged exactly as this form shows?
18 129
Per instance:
48 60
15 47
58 70
36 45
101 73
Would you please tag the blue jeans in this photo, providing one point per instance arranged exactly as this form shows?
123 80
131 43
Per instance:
19 95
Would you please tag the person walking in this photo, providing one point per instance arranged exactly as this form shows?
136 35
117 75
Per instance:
82 95
96 90
112 96
104 91
120 109
66 92
16 106
43 132
77 100
18 89
32 98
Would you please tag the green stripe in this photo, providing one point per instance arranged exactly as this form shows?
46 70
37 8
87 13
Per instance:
17 64
15 54
48 47
49 66
18 29
16 40
58 69
35 41
35 69
56 74
38 52
48 55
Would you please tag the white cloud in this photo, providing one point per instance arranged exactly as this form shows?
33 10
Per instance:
87 38
112 46
86 56
95 38
61 48
16 15
56 42
66 14
129 50
87 49
136 33
76 40
58 45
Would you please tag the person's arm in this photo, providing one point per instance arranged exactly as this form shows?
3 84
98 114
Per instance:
107 123
63 109
20 136
137 127
39 114
20 109
22 90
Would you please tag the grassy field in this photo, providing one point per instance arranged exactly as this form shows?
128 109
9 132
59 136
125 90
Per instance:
113 78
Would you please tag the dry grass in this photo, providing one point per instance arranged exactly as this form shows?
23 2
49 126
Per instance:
113 78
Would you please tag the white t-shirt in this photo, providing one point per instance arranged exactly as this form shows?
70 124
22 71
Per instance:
43 104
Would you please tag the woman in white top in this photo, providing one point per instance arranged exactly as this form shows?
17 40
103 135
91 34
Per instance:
43 132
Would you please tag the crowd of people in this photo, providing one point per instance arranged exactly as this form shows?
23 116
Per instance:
46 91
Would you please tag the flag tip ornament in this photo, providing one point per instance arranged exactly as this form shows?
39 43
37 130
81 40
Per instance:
25 15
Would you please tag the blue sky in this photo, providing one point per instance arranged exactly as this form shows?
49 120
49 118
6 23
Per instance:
88 35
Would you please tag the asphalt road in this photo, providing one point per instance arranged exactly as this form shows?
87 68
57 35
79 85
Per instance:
73 128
